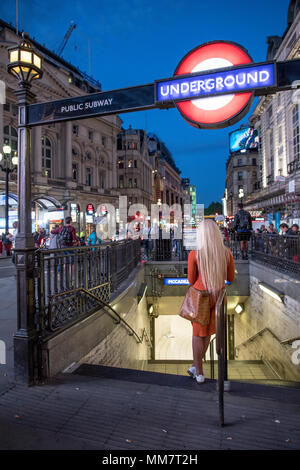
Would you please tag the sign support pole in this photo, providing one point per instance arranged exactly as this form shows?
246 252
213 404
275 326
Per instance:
25 337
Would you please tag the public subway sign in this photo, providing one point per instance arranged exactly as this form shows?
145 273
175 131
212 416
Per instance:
213 86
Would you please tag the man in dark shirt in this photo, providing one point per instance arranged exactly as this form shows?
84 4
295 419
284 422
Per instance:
243 226
68 234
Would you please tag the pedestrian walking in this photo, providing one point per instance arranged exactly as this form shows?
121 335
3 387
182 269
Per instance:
54 238
93 238
67 234
208 268
7 243
243 226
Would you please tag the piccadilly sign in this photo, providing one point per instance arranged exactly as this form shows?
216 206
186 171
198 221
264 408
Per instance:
213 86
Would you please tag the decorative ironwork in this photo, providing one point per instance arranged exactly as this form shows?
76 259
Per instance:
68 307
68 281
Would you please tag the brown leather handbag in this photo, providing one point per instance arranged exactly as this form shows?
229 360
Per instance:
196 306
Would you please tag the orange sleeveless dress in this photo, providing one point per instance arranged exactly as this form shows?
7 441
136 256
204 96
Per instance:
195 279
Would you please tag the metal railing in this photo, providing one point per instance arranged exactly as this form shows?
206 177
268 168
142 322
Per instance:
280 252
68 281
165 250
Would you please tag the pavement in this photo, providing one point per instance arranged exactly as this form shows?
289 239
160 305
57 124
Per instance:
103 408
8 319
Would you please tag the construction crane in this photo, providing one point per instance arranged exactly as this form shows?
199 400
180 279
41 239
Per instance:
65 39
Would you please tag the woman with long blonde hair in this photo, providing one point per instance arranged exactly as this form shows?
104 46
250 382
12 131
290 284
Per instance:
208 268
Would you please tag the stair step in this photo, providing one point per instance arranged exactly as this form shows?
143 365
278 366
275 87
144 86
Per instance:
287 392
141 376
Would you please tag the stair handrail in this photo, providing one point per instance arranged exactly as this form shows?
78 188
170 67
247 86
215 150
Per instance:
105 304
221 349
260 332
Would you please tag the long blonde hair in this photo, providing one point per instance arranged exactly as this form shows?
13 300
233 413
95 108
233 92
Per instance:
212 256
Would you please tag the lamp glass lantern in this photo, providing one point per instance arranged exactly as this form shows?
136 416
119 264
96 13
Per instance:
7 149
24 62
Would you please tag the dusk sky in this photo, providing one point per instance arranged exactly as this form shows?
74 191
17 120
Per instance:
134 42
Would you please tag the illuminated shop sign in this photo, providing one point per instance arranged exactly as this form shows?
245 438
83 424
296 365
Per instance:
90 210
177 281
241 79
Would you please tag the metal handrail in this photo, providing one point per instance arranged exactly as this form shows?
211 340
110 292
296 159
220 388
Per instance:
260 332
221 350
105 304
218 318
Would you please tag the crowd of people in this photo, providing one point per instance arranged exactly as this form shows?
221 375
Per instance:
60 236
265 237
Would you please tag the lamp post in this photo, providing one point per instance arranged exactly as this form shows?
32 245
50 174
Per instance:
26 65
8 164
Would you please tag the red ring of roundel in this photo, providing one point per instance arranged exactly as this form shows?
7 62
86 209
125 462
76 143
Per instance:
220 49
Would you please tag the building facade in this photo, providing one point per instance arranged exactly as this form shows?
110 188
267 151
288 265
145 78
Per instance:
241 179
74 164
277 190
134 167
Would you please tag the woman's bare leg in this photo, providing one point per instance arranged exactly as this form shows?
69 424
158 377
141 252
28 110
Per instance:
200 345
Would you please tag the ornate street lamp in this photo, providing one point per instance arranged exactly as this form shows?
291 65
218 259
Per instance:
24 62
8 164
26 65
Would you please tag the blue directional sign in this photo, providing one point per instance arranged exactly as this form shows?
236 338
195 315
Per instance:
232 80
176 281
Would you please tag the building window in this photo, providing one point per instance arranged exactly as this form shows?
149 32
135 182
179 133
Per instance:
75 130
271 148
132 145
278 99
88 176
102 179
240 176
121 162
10 137
270 113
46 156
121 181
240 161
280 135
130 163
88 156
11 108
91 136
104 141
74 171
135 183
253 161
296 147
130 183
135 163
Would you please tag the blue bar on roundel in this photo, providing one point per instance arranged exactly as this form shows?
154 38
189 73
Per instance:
233 80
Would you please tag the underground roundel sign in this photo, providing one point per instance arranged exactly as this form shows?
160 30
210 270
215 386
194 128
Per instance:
217 111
